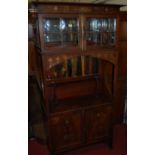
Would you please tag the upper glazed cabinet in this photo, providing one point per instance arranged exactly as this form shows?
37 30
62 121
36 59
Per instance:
77 28
73 31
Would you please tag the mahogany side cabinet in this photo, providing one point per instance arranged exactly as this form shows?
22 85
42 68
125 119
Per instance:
77 48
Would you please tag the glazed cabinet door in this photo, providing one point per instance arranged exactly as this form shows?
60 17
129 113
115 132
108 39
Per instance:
100 32
59 32
65 130
98 123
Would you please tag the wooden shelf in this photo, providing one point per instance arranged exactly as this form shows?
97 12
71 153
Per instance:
81 102
72 79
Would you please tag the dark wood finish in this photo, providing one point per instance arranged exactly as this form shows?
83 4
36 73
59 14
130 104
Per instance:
31 47
80 108
122 69
65 130
98 123
45 7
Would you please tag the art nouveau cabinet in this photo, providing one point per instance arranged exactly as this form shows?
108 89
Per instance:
77 48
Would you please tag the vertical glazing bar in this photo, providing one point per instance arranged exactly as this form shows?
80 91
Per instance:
61 30
83 32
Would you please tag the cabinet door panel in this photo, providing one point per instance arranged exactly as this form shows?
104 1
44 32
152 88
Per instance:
60 31
65 130
98 122
101 31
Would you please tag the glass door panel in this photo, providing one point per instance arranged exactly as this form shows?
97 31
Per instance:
51 25
93 38
101 32
52 38
69 25
61 31
70 38
94 25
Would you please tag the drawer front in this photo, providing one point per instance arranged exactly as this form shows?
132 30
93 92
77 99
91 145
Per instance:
65 130
98 123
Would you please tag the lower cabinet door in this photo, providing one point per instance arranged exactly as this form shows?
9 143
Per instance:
98 123
65 130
